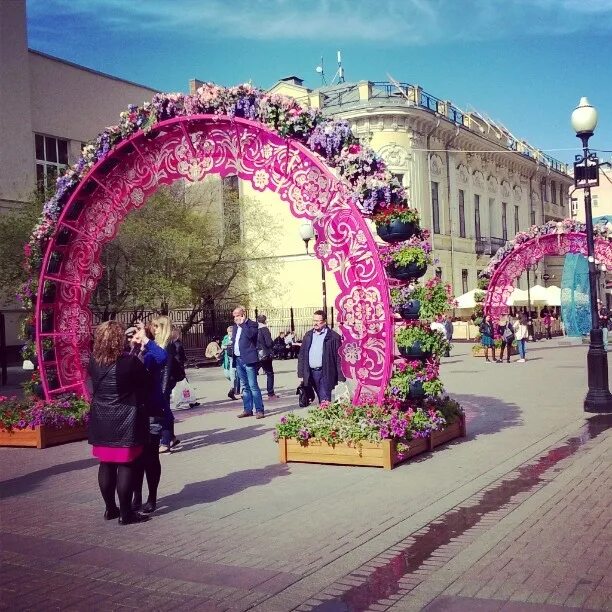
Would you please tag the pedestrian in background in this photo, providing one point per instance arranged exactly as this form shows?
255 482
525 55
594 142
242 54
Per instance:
227 362
487 334
505 331
264 352
319 360
604 320
245 333
521 332
448 327
118 420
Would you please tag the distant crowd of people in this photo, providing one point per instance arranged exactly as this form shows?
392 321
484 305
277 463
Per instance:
133 372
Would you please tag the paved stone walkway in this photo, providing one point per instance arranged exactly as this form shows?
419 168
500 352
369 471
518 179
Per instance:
516 516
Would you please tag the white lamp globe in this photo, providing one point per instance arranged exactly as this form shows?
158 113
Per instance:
584 118
307 231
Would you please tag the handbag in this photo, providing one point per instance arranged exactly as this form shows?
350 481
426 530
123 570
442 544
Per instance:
508 334
305 395
182 395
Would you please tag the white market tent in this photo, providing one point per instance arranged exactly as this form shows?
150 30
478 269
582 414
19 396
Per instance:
553 296
518 296
466 300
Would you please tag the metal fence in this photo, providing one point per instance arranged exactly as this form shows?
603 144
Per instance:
213 323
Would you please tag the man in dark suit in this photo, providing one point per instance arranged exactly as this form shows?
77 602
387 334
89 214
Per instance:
318 360
244 339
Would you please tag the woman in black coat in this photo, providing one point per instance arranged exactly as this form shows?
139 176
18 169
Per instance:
118 424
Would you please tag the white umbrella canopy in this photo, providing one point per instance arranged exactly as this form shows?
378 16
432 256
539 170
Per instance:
518 296
553 296
467 300
538 295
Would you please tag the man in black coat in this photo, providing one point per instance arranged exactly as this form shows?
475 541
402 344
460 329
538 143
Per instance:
319 361
244 341
264 351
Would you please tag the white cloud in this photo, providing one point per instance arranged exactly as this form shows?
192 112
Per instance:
395 21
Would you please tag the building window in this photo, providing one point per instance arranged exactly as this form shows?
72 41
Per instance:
399 176
464 281
516 219
561 195
461 213
533 216
504 220
51 159
435 207
439 273
553 191
595 201
574 207
477 216
231 210
543 190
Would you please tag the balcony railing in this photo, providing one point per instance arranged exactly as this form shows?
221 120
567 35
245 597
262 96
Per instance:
415 95
489 245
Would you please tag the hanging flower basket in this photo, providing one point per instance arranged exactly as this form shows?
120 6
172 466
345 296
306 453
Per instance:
396 230
406 272
415 351
416 390
409 311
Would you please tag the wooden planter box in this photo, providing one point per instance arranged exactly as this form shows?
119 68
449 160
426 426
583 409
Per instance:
42 436
383 454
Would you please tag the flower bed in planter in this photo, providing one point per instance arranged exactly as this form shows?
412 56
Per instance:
42 436
41 423
367 435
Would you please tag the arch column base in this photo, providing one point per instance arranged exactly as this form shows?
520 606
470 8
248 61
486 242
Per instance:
598 398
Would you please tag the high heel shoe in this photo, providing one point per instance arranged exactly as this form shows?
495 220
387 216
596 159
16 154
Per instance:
135 517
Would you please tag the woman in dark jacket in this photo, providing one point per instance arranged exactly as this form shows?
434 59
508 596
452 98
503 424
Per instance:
118 421
487 333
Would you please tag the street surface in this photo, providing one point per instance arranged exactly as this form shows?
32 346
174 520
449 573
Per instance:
517 516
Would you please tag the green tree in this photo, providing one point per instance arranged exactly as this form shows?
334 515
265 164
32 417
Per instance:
15 228
183 249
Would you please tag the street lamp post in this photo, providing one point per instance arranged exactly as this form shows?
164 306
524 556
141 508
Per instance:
586 175
307 233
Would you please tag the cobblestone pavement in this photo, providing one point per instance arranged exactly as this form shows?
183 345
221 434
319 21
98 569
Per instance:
514 517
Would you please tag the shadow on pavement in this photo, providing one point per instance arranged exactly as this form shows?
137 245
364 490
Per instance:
197 439
215 489
28 482
488 415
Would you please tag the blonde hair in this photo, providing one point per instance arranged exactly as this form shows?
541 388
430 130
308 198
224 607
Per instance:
109 342
163 330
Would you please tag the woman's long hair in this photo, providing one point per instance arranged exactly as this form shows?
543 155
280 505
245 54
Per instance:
162 328
109 342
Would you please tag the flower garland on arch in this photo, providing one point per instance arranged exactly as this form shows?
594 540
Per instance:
373 186
567 226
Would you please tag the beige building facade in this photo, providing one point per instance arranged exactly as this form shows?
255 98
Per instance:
50 107
601 198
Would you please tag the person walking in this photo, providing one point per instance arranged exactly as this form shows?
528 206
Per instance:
604 319
264 352
487 334
521 332
229 368
547 320
506 332
448 328
154 359
318 359
118 420
244 338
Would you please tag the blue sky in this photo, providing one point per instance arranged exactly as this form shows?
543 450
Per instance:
524 63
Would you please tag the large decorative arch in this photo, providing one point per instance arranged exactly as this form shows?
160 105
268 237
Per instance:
313 164
528 248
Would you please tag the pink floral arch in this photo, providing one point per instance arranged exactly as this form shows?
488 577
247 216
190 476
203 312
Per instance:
528 248
190 147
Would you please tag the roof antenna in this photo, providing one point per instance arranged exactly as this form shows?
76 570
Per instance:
340 72
320 69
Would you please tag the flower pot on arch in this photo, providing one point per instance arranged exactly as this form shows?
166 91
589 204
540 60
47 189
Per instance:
396 230
409 311
406 272
415 351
